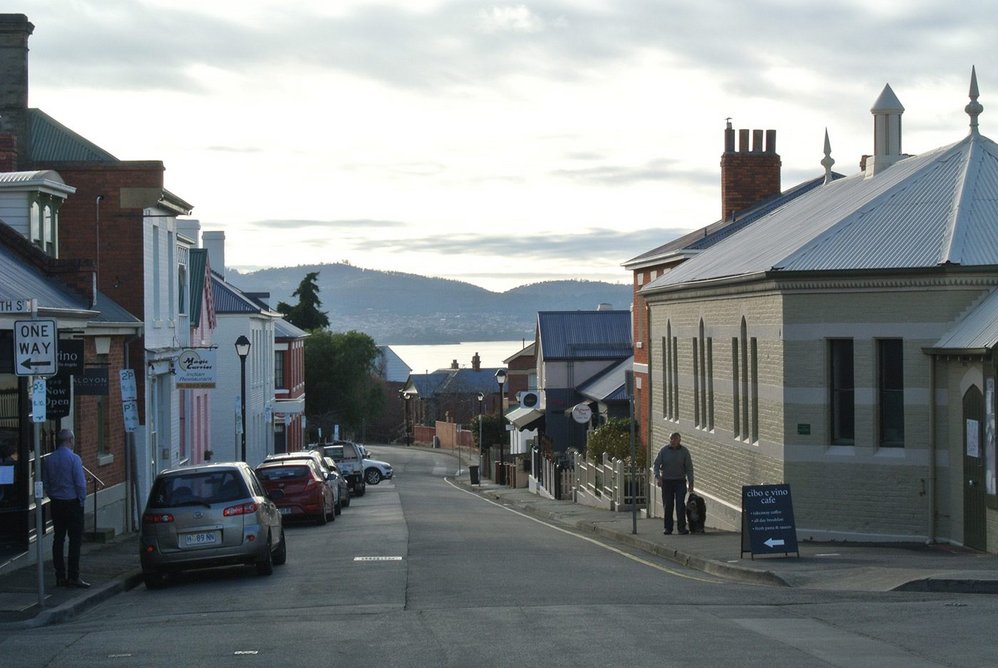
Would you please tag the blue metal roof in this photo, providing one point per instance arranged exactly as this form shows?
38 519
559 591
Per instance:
230 299
391 367
285 330
593 335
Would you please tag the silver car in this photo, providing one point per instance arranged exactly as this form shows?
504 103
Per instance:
211 515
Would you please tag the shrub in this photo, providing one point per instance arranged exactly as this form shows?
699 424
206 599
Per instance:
614 438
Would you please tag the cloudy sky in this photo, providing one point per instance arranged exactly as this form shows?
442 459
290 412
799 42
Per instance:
494 143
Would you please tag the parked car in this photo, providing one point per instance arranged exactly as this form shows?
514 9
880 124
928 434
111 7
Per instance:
342 487
348 457
376 470
324 464
299 488
209 515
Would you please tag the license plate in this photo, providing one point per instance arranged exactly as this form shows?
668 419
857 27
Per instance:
285 511
200 538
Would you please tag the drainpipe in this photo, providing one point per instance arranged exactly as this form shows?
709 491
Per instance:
131 493
932 451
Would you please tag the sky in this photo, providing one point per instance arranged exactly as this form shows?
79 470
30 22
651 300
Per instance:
496 143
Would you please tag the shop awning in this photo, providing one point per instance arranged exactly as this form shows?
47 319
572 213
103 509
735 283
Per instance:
523 417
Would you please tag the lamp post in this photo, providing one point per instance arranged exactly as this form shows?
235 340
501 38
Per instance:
501 379
242 349
407 396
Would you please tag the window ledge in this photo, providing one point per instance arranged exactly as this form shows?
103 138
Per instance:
104 460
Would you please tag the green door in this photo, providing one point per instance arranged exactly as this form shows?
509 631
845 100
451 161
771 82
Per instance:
974 498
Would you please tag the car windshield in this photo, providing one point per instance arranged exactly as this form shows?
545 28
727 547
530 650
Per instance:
197 489
272 473
334 451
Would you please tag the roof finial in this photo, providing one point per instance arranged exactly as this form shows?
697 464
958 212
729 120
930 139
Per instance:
827 161
974 108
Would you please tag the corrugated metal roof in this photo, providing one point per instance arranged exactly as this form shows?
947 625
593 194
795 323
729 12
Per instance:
112 311
469 381
608 385
51 141
230 299
924 211
40 179
976 332
19 280
595 335
285 330
705 237
426 384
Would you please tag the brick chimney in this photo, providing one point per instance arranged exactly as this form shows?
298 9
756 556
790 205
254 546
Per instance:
8 152
476 362
14 32
748 175
454 364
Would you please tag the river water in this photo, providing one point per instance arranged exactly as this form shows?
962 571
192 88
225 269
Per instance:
430 357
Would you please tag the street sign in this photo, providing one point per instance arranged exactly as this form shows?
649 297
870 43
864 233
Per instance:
768 520
38 398
17 305
35 347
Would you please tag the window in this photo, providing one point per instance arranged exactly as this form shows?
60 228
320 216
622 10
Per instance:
842 390
35 224
182 290
697 386
890 385
703 381
48 230
279 370
736 402
744 390
754 385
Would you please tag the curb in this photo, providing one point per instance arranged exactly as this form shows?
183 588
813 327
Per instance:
70 609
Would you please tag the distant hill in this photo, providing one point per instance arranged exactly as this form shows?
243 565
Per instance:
397 308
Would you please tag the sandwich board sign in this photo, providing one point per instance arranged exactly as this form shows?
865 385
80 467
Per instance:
768 520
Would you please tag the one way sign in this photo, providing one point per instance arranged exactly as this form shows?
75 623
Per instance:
35 347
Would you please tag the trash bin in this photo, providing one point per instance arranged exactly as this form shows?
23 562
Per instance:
473 470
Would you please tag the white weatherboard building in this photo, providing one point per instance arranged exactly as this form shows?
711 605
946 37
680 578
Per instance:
845 344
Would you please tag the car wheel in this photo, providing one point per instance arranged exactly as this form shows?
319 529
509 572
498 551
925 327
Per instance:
331 515
346 502
153 579
359 489
281 555
338 509
266 565
372 476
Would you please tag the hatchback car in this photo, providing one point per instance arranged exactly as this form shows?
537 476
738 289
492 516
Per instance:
299 488
210 515
328 467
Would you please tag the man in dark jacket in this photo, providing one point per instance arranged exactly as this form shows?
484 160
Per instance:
673 469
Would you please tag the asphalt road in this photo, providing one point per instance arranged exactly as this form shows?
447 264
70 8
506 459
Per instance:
419 572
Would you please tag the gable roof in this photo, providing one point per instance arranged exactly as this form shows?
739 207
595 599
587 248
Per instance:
286 330
609 385
391 367
939 208
575 335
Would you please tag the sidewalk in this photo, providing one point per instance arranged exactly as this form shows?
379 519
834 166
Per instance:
825 566
114 567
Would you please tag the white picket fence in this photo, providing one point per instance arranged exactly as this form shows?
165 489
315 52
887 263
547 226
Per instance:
608 484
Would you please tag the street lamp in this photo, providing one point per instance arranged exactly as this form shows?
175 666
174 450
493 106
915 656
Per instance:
501 379
242 349
408 430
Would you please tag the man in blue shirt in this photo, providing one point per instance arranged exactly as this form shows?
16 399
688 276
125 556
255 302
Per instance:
66 488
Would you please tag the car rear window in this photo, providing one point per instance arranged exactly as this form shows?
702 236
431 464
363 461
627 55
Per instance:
191 489
272 473
334 451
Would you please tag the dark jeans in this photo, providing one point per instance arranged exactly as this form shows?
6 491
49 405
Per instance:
674 500
67 518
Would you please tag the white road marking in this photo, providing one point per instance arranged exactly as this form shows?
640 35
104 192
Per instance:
632 557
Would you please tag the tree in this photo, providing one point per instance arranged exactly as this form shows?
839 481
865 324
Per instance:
340 383
306 314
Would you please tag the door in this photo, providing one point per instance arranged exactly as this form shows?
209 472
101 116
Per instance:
974 493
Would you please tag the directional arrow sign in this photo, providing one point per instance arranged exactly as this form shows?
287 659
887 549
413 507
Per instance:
773 542
35 347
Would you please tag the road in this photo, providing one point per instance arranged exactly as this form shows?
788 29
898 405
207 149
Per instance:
419 572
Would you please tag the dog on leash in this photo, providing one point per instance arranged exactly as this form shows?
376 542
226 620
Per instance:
696 513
